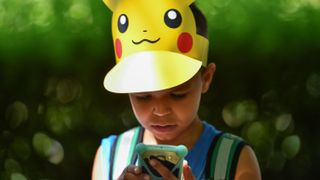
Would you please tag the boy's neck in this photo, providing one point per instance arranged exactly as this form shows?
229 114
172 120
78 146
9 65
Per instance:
188 138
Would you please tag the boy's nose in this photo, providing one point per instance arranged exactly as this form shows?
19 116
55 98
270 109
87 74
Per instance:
161 110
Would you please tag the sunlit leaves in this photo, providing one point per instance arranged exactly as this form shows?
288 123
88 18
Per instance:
54 55
237 113
12 166
17 176
80 11
67 90
283 122
313 85
16 114
48 148
263 131
21 147
291 146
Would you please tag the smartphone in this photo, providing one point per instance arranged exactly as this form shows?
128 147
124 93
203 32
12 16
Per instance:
170 156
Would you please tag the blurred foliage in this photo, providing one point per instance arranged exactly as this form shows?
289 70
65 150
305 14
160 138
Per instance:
54 109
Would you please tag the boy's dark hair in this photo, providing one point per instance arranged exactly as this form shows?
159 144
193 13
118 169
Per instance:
201 22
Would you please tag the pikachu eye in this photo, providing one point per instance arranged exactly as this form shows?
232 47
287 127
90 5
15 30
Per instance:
172 18
123 23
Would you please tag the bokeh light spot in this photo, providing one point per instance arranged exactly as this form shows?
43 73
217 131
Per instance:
48 148
80 11
21 148
42 144
41 13
313 85
276 161
12 166
221 3
68 90
237 113
16 114
291 6
290 9
283 122
257 132
56 154
2 15
55 120
291 146
51 86
17 176
62 119
313 3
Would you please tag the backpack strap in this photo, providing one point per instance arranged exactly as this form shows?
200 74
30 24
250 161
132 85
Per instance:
223 156
122 151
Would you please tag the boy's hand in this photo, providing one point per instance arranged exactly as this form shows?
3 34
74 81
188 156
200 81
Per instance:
167 174
133 172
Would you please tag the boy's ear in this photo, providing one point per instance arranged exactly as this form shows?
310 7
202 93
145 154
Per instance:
207 75
111 4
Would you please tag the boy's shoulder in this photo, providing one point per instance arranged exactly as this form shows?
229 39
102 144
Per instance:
223 156
119 150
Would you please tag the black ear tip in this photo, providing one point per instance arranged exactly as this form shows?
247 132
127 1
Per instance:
201 21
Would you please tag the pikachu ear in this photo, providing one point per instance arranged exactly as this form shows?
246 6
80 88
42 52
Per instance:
111 4
187 2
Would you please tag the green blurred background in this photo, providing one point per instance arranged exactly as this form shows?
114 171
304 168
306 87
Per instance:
54 110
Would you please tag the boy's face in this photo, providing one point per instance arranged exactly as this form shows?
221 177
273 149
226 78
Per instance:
169 113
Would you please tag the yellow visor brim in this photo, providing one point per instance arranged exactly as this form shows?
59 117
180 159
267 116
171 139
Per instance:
150 71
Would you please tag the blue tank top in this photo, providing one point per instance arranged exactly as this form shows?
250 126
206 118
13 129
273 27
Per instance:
196 157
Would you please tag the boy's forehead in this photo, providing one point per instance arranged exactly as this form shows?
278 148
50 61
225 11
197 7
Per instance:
182 87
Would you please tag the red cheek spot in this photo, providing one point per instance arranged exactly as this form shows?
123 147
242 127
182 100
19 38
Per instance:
185 42
118 48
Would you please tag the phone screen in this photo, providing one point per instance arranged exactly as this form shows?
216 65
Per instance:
170 156
168 159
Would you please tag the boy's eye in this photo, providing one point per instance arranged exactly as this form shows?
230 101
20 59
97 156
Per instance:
172 18
143 97
123 23
178 95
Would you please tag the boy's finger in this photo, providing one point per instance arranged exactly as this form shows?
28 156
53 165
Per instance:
132 172
185 163
162 170
133 169
187 172
130 176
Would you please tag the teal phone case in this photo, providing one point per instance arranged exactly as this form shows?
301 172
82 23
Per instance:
170 156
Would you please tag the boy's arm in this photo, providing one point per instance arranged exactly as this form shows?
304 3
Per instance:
248 166
97 171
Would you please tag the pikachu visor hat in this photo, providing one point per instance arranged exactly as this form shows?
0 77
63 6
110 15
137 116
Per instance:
156 45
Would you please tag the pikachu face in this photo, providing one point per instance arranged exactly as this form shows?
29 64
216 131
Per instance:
158 34
140 25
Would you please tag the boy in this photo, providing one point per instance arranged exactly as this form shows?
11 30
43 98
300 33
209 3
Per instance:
161 51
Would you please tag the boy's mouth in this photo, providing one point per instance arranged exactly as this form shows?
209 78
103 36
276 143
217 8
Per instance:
163 128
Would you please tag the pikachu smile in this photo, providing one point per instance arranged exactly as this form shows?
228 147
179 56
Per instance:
145 40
